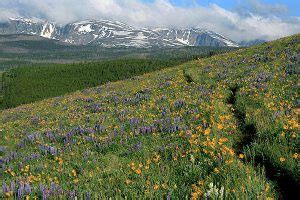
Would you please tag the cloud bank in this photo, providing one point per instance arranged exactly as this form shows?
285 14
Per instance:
251 20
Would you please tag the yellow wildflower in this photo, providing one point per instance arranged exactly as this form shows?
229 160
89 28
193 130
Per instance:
220 126
282 159
207 131
155 187
216 170
138 171
295 156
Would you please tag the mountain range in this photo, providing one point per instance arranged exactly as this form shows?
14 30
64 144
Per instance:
114 34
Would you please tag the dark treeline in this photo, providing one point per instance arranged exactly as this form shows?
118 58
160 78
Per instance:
32 83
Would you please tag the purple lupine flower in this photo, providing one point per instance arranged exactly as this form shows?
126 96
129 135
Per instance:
72 194
134 121
99 128
5 188
174 128
13 186
35 121
31 137
94 108
27 189
204 125
51 136
68 137
179 103
166 84
48 149
90 130
89 100
138 146
52 150
21 191
43 190
178 119
53 188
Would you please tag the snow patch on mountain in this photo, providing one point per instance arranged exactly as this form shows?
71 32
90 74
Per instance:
47 30
83 29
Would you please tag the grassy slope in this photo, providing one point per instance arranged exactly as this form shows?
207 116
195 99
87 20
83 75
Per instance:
168 133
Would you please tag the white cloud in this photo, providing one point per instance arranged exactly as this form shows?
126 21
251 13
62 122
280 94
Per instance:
255 6
161 13
7 13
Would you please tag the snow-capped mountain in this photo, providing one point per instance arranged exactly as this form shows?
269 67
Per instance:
196 37
114 34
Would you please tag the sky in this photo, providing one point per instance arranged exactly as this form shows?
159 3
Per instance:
236 19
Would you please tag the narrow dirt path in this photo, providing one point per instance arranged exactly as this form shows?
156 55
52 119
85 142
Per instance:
287 186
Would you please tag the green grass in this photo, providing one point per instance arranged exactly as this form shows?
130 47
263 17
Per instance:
177 132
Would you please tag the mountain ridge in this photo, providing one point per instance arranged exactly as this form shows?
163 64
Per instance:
108 33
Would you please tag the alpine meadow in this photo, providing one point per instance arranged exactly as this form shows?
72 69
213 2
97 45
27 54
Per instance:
101 109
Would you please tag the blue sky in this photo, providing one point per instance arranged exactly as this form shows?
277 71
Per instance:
292 5
236 19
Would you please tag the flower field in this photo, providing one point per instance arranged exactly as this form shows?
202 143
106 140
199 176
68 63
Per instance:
224 127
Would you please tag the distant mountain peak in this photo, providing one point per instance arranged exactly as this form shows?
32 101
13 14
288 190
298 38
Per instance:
109 33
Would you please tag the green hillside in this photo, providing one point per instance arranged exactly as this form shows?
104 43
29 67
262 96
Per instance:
219 127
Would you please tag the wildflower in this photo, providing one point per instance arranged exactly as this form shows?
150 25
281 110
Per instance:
201 182
220 126
207 131
267 188
156 158
295 156
148 162
138 171
155 187
241 156
76 180
74 173
27 188
282 159
216 170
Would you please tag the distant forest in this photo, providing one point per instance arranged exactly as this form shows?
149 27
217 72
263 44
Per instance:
35 70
